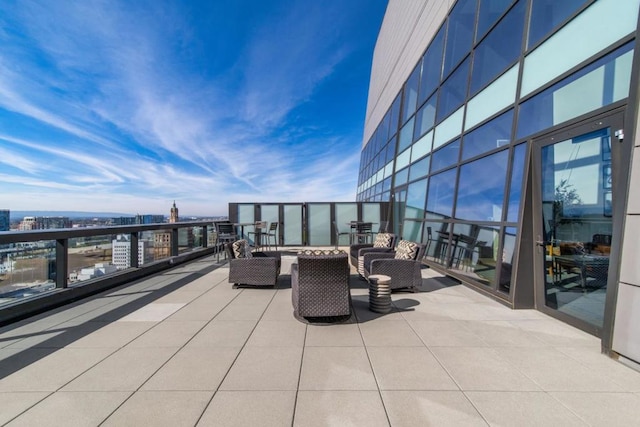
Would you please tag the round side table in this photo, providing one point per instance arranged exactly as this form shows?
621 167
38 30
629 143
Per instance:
379 293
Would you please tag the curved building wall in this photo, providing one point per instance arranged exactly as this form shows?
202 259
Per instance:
407 28
496 129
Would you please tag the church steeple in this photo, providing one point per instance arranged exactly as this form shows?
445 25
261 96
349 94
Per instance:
174 213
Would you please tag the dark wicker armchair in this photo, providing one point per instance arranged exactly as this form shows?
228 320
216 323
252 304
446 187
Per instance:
403 265
385 242
320 286
252 268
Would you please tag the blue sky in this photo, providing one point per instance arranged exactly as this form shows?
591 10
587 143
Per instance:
126 106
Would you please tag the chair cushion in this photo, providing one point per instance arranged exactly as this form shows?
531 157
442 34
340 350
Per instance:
383 240
321 252
241 249
407 250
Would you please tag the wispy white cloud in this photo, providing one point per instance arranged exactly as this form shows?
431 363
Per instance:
119 108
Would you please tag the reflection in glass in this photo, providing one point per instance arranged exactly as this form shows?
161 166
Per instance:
459 33
489 136
426 117
548 14
515 192
416 195
453 92
441 190
474 252
411 94
445 156
402 177
508 251
601 83
481 188
500 49
488 14
576 230
436 239
406 135
419 169
432 66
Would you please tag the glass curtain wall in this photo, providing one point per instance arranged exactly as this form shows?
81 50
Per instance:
453 146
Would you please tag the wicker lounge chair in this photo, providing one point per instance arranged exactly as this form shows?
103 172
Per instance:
252 268
385 242
320 286
403 265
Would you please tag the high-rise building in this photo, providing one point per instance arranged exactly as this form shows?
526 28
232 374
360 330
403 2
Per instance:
121 252
505 134
5 220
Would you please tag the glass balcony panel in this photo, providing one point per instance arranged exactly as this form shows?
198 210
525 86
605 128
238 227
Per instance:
27 270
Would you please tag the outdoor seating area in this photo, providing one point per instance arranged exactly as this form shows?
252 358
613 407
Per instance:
183 348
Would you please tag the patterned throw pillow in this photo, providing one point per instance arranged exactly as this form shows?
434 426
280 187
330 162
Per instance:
241 249
407 250
383 240
321 252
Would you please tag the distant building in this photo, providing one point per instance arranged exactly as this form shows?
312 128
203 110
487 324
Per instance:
174 213
121 252
98 270
4 220
44 223
161 244
138 219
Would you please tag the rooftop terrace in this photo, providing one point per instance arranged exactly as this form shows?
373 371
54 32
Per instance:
182 348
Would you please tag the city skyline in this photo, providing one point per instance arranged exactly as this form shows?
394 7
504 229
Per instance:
109 106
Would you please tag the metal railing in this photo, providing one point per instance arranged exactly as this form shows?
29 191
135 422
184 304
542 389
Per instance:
41 269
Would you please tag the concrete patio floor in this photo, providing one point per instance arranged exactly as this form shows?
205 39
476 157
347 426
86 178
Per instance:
183 348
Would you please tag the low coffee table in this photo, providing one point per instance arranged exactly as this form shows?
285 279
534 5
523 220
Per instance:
379 293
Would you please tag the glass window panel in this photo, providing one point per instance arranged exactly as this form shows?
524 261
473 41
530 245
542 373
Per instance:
394 118
402 177
391 149
448 129
586 90
515 193
388 170
403 159
489 136
416 196
548 14
459 33
384 127
500 49
421 147
419 169
453 92
292 223
488 14
426 117
441 190
319 223
445 156
495 97
432 66
508 251
406 135
578 40
411 94
481 188
386 185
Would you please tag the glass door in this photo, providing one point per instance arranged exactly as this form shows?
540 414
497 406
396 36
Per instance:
575 227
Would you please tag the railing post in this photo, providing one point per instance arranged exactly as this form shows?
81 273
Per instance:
134 260
174 242
205 240
62 262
